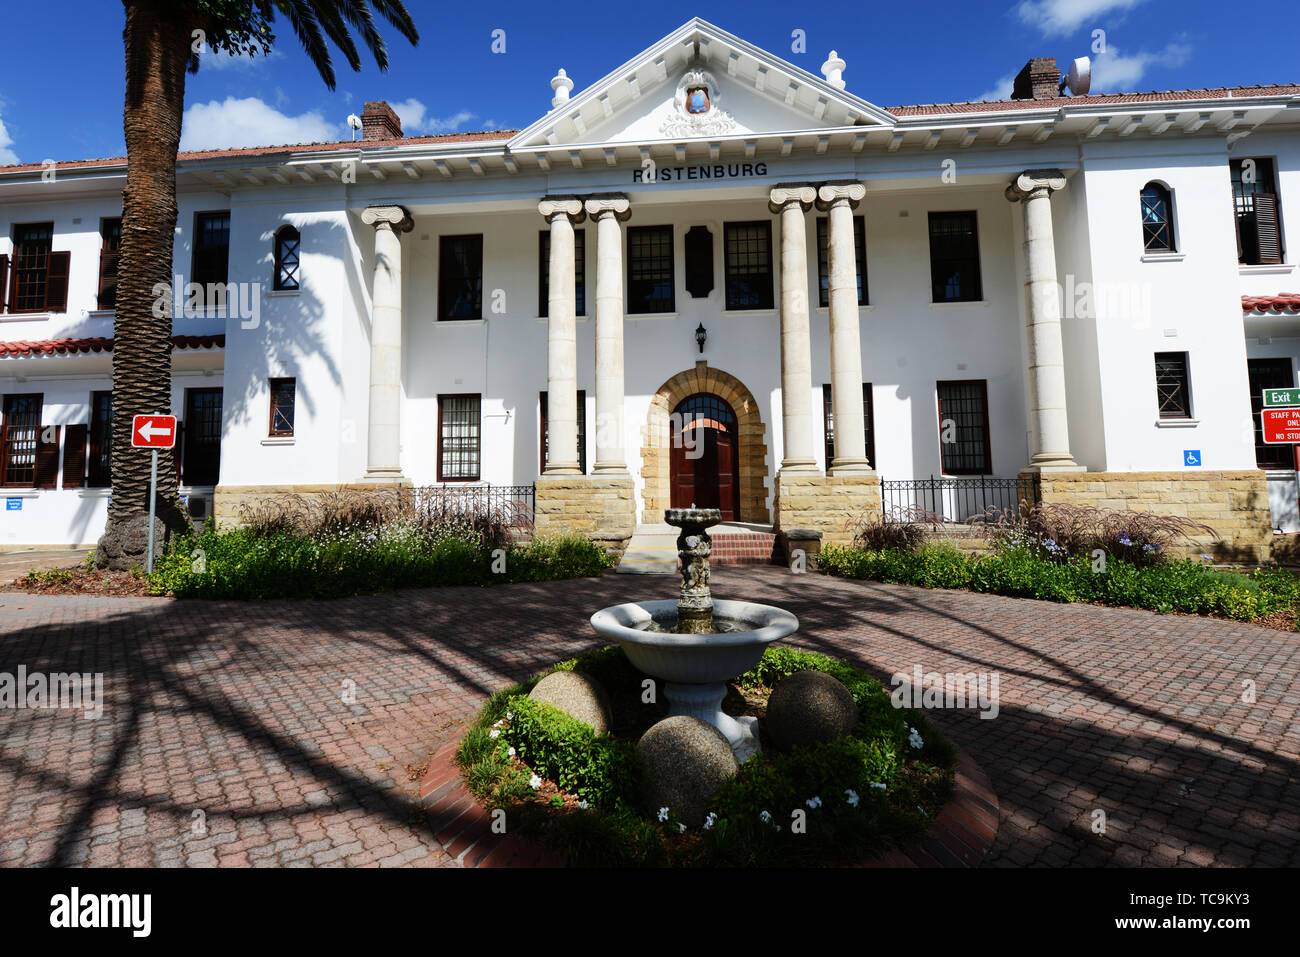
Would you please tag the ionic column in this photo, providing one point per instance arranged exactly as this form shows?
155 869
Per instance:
792 201
562 212
839 200
1048 422
383 432
607 212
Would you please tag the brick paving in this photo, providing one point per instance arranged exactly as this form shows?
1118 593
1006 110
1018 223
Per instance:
226 738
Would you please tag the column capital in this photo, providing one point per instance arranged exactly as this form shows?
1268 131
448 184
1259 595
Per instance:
552 206
1032 181
783 194
395 218
849 191
605 204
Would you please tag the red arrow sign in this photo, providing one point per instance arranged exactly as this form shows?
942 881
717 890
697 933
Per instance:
155 431
1281 426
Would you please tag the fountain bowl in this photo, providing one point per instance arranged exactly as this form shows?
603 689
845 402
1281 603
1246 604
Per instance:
693 659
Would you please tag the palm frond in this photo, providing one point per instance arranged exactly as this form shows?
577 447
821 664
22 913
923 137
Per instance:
302 18
358 14
331 20
395 13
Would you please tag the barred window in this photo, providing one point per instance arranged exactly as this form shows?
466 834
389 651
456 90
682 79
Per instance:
211 263
868 424
650 269
460 277
824 263
964 428
1173 394
747 250
39 280
288 244
21 428
579 273
1157 219
954 257
283 395
459 436
582 431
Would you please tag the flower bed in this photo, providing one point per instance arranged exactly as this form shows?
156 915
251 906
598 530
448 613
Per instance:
582 794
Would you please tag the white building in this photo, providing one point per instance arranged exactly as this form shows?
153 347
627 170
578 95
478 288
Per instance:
714 232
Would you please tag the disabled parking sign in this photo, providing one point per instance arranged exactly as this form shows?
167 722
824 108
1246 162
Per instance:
1191 456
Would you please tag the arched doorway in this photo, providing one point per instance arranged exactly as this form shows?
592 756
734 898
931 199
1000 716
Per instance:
704 460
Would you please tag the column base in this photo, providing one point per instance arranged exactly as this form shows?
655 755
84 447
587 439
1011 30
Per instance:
860 467
384 477
830 504
1048 466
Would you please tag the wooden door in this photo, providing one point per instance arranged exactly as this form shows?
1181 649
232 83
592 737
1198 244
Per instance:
703 457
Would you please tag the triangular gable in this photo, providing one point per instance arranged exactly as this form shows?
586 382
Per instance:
642 100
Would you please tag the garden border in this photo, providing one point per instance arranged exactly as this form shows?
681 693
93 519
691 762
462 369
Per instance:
962 834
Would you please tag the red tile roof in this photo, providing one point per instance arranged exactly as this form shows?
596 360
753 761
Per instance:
1282 302
51 347
1099 99
485 136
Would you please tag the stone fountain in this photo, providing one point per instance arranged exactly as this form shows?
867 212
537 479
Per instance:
697 644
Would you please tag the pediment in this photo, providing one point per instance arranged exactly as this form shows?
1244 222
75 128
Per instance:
733 88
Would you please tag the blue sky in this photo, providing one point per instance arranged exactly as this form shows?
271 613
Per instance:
61 92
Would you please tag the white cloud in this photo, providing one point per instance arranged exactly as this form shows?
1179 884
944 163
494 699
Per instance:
1001 89
1056 18
7 156
234 123
213 60
1113 72
416 119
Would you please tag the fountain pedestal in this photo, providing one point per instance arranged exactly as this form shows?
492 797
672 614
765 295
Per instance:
705 702
694 546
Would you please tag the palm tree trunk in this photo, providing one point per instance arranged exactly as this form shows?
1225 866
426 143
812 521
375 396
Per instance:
157 40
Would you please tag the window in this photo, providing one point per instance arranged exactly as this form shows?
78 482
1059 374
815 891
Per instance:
99 468
288 243
458 438
1157 219
964 427
868 425
460 277
201 458
650 269
747 254
579 272
282 402
38 276
21 430
1173 397
582 431
1254 192
211 262
823 260
1269 374
954 257
110 234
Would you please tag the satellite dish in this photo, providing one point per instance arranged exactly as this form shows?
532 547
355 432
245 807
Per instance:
1079 79
354 121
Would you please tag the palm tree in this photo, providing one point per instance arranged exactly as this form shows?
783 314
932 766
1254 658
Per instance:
163 39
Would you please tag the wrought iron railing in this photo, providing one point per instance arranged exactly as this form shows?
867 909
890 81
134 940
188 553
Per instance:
949 500
511 504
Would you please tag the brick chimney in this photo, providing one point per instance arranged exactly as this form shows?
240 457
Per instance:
1037 81
379 122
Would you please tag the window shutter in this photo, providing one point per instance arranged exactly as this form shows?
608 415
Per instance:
1266 228
13 284
47 460
4 281
74 456
108 280
56 282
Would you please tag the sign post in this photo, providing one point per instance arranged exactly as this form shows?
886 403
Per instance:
153 432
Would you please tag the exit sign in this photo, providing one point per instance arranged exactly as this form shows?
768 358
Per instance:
1278 398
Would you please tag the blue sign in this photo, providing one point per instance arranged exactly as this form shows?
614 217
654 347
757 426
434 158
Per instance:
13 505
1191 456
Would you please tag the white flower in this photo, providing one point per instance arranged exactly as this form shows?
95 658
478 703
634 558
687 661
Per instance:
497 723
876 784
511 752
582 805
914 739
494 734
765 817
663 814
922 810
681 828
534 782
814 802
710 820
509 715
851 796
